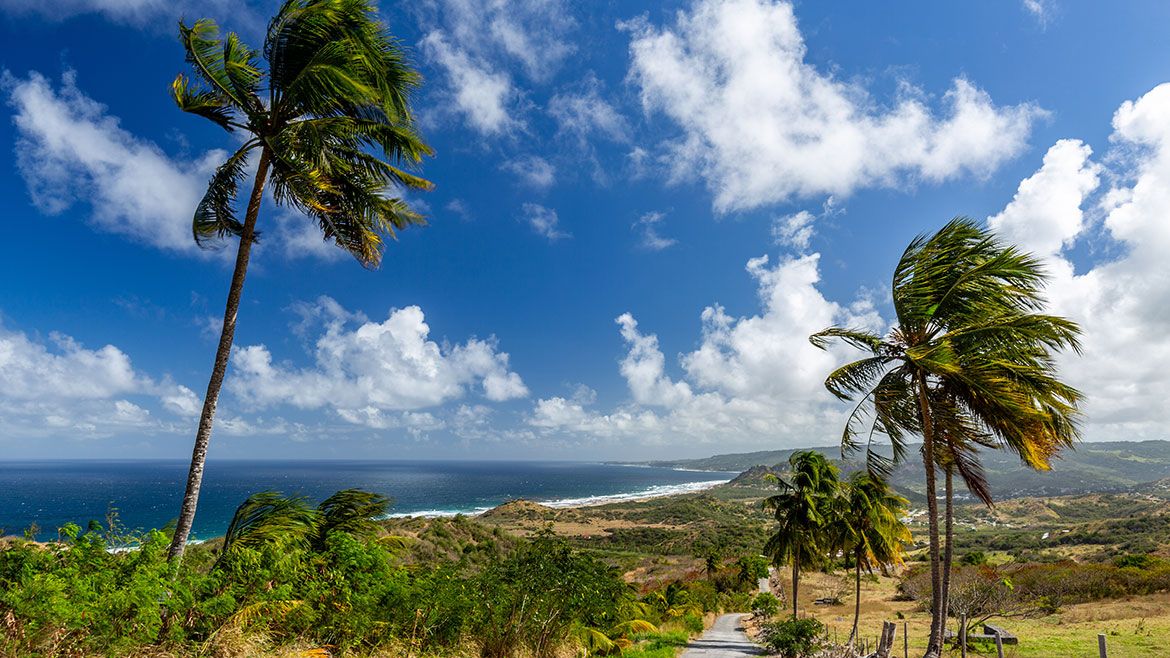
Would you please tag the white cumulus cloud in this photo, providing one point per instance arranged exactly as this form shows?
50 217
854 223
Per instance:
532 170
751 379
1120 301
160 14
584 112
368 371
47 387
761 125
481 94
647 225
72 152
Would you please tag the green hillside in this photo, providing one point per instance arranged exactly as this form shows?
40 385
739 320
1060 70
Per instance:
1090 468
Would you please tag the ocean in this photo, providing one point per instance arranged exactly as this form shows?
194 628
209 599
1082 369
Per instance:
147 494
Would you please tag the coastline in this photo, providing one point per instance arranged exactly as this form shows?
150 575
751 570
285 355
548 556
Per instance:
649 493
45 496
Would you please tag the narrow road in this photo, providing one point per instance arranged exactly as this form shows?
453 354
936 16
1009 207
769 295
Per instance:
725 639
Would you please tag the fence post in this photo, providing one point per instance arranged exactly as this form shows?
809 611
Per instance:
1104 651
999 645
905 639
886 643
963 634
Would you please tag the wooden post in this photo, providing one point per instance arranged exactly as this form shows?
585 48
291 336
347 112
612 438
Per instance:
1101 648
905 639
886 642
999 645
963 634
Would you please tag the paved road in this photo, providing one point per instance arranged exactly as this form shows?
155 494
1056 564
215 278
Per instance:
725 639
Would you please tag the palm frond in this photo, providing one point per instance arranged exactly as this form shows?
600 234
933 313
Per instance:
202 102
395 542
268 517
352 511
336 58
222 65
337 127
262 610
215 216
858 338
595 642
856 377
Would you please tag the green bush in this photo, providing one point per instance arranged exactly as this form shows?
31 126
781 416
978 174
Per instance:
533 599
794 638
692 623
765 605
322 576
974 558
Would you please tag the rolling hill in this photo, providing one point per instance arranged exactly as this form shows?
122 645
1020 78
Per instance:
1091 468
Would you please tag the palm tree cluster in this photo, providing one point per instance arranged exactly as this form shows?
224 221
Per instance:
819 516
329 123
969 364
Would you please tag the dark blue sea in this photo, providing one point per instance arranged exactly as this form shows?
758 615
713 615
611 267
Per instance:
147 494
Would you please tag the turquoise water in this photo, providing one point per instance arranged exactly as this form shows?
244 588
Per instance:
147 493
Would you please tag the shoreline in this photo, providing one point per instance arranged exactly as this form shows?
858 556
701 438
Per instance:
658 491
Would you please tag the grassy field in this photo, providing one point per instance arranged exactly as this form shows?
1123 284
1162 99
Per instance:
1137 627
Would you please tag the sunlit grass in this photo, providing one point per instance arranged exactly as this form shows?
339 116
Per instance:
1135 627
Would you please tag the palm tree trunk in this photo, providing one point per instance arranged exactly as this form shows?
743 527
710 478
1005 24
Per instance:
219 368
795 582
948 549
934 644
856 597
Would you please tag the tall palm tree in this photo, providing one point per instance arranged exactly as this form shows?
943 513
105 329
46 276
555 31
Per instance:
971 355
869 527
957 452
329 123
803 512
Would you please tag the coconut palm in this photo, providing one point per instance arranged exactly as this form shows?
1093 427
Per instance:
971 355
868 525
957 452
324 116
270 518
803 512
352 511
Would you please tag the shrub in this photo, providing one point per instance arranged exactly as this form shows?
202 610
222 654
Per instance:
765 605
1135 561
692 623
794 638
534 598
974 558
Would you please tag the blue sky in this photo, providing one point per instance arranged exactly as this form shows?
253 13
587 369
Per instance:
641 211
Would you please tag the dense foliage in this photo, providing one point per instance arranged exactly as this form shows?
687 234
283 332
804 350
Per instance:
289 573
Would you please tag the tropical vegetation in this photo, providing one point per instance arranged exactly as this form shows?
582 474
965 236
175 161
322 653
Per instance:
868 527
331 577
969 364
323 114
804 512
819 515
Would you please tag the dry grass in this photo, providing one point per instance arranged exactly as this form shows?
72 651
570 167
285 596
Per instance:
1137 627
